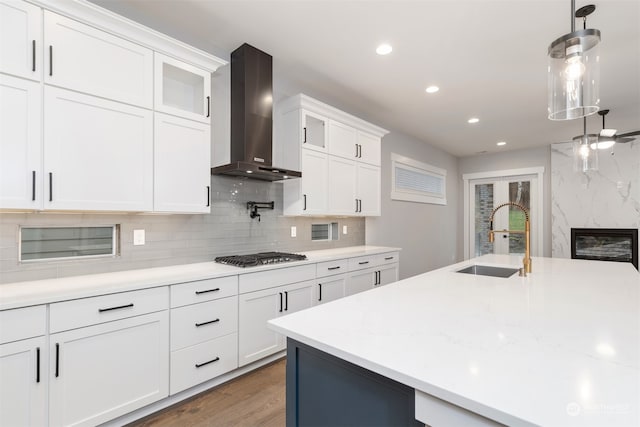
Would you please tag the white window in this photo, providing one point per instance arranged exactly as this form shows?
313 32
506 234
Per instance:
414 181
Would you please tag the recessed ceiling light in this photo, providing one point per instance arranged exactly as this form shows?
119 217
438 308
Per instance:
432 89
501 143
473 120
384 49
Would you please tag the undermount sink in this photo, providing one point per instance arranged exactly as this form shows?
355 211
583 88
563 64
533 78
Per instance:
487 270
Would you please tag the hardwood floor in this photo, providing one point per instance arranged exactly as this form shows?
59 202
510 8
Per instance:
254 399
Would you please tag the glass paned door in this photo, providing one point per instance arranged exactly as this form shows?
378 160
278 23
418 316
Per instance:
488 194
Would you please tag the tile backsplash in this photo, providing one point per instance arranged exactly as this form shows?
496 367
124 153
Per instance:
178 239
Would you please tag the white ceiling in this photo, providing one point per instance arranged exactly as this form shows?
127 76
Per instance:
487 57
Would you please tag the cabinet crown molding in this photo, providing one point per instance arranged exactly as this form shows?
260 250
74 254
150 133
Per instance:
120 26
308 103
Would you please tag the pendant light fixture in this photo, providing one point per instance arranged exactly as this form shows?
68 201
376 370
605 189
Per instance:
585 151
574 70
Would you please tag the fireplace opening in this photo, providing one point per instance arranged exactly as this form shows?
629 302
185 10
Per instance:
605 244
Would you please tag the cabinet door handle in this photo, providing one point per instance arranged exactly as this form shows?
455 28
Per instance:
33 185
280 311
208 106
305 202
33 55
379 278
57 360
363 262
200 365
304 131
208 195
356 150
38 364
388 258
102 310
356 205
51 186
286 300
207 323
320 293
50 60
333 268
359 151
207 291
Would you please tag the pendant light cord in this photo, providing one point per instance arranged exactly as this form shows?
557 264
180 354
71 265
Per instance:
573 15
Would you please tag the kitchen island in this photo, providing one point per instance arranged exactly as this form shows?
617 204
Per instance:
560 347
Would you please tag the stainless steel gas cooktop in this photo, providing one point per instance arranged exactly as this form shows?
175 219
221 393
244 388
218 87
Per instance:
262 258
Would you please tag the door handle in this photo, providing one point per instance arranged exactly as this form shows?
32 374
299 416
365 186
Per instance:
38 364
208 106
51 186
280 311
208 194
33 185
33 55
305 202
304 130
286 300
50 60
57 360
320 289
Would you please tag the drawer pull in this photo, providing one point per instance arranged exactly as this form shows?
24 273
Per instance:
57 360
207 323
207 291
333 268
388 258
38 364
102 310
363 262
200 365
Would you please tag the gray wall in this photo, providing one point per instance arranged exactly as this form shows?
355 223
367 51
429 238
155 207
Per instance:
426 233
533 157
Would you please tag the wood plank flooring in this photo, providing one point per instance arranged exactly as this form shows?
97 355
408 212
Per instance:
254 399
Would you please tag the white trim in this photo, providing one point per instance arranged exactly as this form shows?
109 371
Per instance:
105 20
538 214
301 101
419 167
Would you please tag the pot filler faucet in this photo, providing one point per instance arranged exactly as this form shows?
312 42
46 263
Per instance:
526 261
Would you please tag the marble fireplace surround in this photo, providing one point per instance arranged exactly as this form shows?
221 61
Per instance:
606 198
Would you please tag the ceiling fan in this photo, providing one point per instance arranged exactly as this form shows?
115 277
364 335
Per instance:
608 137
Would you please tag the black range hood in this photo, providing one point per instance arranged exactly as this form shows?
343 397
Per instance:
252 118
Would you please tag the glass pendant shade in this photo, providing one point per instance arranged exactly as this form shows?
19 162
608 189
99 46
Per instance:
574 74
585 153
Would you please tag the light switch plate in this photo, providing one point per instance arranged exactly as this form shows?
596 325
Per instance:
344 229
138 237
294 231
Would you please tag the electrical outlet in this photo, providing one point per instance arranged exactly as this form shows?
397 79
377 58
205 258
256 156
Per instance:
344 229
294 231
138 237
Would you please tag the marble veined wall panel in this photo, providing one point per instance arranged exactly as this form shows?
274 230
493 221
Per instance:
606 198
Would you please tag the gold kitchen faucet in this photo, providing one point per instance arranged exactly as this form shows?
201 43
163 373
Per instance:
526 261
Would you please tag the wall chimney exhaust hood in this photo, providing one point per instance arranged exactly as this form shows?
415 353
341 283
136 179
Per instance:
251 118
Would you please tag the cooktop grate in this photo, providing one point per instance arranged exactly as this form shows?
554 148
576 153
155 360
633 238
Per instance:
262 258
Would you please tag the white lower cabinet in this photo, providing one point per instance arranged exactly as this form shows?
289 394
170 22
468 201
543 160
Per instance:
330 288
255 339
368 272
100 372
23 388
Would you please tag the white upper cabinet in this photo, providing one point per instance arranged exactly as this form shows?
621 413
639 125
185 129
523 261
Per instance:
344 142
20 147
98 154
182 154
20 39
350 179
182 89
85 59
369 147
368 189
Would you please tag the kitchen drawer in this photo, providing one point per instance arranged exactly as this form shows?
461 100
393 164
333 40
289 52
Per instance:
363 262
388 258
197 323
189 366
203 290
282 276
330 268
106 308
22 323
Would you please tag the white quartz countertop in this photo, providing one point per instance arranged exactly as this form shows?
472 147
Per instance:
22 294
560 347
